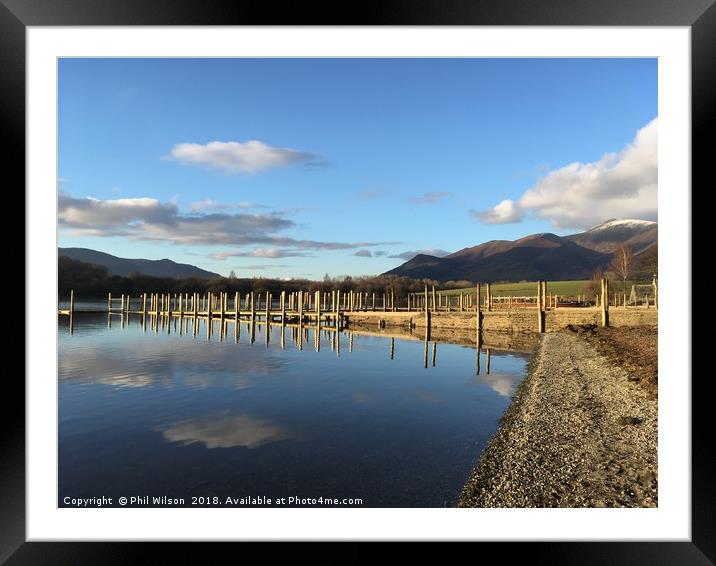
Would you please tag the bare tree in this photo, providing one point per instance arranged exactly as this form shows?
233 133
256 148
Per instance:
622 263
592 288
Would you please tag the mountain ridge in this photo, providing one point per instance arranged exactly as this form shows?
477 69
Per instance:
537 256
126 266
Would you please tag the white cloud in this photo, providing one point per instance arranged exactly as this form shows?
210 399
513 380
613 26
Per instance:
226 431
411 254
580 195
211 204
504 213
237 157
149 219
114 212
261 253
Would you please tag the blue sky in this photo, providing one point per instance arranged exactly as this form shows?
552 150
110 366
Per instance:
291 167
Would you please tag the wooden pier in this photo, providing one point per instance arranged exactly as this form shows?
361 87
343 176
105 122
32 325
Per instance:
430 308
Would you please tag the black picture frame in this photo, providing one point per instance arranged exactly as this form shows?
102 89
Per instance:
16 15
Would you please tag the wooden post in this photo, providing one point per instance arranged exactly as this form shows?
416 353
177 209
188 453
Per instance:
109 302
268 309
425 352
605 302
427 315
318 308
435 306
338 309
540 312
656 293
72 302
300 307
479 314
283 307
392 300
237 312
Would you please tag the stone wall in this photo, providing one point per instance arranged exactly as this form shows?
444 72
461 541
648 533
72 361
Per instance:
508 320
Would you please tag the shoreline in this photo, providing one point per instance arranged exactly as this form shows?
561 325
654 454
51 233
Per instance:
581 432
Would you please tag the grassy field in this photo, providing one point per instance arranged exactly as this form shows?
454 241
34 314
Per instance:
562 288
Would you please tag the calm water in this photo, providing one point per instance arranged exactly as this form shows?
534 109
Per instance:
155 412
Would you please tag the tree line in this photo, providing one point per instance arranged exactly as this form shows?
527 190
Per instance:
625 266
90 281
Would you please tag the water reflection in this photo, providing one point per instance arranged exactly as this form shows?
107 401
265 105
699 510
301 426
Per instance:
149 362
150 405
299 333
425 395
503 384
225 431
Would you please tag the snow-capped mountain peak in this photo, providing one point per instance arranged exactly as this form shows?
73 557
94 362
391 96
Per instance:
625 223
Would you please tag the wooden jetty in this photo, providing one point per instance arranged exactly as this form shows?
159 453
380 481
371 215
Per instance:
429 309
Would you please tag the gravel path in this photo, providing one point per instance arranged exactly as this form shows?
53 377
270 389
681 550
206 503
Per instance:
579 433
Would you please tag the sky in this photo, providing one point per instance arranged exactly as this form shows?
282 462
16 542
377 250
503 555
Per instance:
306 167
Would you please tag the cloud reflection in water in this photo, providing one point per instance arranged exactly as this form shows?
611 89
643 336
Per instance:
226 432
503 384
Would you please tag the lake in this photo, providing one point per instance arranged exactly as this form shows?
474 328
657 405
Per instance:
166 410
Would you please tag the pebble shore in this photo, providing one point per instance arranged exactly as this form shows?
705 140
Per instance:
580 432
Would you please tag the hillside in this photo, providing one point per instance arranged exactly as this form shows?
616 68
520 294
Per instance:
124 267
538 256
606 237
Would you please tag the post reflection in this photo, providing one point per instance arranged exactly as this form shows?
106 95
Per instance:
296 332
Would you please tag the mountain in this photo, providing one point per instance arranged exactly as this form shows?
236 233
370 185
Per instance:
538 256
607 237
122 266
